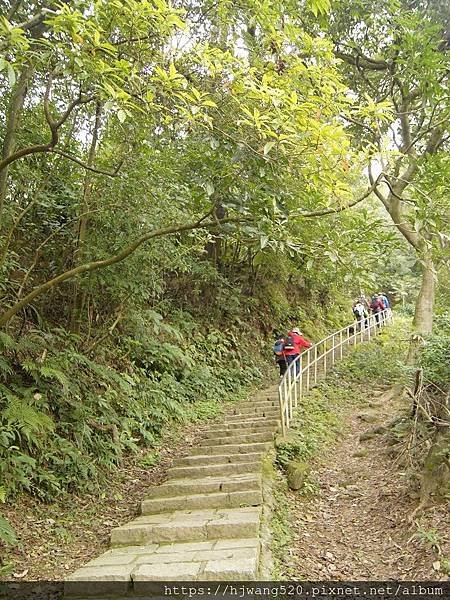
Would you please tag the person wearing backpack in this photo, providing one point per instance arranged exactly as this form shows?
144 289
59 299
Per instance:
376 306
278 350
293 344
360 313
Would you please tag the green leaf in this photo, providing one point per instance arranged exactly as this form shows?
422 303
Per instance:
121 115
11 75
268 147
209 188
7 533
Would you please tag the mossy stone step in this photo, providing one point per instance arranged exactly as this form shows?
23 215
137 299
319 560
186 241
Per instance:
239 439
248 425
253 427
255 410
206 485
218 469
231 448
194 501
189 525
213 459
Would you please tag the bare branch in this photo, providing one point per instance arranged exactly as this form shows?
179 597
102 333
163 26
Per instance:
363 62
85 165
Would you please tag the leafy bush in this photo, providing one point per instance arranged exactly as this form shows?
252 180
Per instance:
435 357
66 419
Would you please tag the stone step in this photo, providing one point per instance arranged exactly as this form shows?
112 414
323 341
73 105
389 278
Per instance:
214 459
196 501
231 448
189 525
242 420
238 429
271 414
261 412
258 404
218 469
128 571
235 422
239 439
206 485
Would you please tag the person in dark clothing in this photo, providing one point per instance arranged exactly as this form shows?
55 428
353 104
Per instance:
278 350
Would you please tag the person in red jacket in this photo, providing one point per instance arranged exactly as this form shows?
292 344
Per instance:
298 342
376 306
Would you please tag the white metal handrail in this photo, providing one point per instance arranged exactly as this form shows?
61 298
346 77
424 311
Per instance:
305 366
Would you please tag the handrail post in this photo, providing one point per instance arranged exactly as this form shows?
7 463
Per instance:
325 357
283 422
332 351
301 377
308 369
315 363
297 366
341 350
286 407
290 391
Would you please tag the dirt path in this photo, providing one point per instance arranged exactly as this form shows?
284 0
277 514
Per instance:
358 528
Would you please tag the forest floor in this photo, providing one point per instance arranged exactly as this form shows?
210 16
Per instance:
359 526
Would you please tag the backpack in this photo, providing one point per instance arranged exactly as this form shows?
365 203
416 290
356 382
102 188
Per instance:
289 343
358 311
375 304
278 348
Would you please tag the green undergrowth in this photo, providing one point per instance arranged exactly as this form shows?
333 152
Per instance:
322 414
69 416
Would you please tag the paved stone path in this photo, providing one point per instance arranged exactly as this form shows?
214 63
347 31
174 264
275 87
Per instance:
203 523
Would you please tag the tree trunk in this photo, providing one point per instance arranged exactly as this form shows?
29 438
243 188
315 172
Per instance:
423 315
12 123
79 297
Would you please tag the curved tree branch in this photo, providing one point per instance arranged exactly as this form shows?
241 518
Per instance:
333 211
99 264
85 165
53 124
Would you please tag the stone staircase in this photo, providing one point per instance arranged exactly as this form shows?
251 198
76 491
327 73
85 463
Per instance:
202 523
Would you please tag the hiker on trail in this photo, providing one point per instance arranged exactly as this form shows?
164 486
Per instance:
376 306
386 304
384 299
364 301
278 350
360 313
293 344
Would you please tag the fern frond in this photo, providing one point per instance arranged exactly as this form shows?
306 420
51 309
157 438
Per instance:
6 341
7 533
28 420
